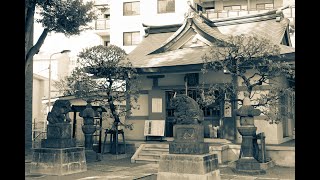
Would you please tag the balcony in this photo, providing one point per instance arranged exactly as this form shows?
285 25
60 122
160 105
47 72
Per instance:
102 24
102 27
288 13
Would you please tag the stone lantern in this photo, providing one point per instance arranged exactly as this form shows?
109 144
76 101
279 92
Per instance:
88 126
247 163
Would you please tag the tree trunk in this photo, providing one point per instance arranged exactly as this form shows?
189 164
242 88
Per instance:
116 122
234 106
28 100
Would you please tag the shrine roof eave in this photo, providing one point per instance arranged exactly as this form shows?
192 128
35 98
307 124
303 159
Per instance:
80 108
287 57
170 69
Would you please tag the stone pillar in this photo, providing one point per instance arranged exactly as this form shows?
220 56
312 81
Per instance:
88 129
247 163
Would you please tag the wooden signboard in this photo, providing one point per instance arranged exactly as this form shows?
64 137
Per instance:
156 105
227 109
154 127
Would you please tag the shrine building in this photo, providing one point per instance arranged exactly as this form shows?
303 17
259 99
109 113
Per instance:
169 61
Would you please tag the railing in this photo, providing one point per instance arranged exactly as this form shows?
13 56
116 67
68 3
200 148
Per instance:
102 24
38 136
288 13
38 132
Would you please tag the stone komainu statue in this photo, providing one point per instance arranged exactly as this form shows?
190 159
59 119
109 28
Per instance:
186 110
59 112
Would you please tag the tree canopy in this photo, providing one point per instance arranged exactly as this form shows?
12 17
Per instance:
106 76
256 61
69 17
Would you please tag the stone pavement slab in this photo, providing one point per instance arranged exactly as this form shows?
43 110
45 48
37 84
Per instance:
121 169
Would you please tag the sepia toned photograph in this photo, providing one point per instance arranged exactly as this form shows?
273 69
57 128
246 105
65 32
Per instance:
160 90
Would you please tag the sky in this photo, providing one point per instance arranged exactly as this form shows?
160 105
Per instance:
56 42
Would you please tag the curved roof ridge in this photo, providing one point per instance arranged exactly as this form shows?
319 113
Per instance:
174 35
211 31
152 29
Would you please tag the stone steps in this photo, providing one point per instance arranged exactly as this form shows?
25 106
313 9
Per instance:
150 153
147 160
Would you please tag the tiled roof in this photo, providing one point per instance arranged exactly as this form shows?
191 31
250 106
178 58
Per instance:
269 29
154 50
147 45
172 58
185 56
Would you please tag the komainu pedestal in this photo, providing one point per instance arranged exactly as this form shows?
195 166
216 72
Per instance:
188 139
189 156
188 167
58 161
58 154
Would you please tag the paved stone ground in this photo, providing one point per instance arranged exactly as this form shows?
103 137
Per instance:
274 173
123 169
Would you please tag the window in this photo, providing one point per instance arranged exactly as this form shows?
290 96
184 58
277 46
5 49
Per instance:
131 8
106 43
264 6
131 38
106 16
166 6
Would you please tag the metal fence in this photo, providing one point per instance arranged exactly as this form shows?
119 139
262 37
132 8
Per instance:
288 13
39 132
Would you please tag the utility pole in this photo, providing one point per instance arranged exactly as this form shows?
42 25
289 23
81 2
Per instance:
49 95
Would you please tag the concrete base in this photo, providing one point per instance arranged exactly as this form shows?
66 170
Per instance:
221 151
263 166
267 165
248 166
55 161
91 156
185 166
